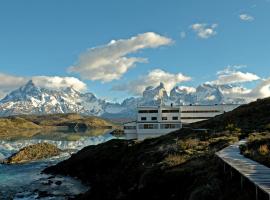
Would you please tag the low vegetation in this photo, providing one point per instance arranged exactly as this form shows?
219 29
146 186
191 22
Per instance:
258 148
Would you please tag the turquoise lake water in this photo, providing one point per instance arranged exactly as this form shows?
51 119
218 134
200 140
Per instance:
22 181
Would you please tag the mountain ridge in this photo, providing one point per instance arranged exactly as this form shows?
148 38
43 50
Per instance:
31 99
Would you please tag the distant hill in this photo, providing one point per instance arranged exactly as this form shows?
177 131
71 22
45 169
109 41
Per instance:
29 125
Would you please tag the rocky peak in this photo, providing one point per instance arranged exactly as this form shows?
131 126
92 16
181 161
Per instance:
155 93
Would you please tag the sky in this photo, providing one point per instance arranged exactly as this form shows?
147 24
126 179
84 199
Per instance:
117 48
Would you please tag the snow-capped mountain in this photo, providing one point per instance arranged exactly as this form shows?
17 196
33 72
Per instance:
31 99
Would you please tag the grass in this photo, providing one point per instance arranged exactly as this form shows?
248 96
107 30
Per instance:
257 148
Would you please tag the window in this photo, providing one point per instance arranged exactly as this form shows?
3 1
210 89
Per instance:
164 118
174 118
170 126
129 127
154 118
148 126
170 111
148 111
143 118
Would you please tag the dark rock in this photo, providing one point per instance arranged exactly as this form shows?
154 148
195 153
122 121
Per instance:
58 182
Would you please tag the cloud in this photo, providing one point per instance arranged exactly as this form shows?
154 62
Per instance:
204 31
57 82
230 75
11 82
186 89
246 17
153 78
110 62
262 90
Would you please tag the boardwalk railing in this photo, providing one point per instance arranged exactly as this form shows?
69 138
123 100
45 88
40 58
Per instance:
255 172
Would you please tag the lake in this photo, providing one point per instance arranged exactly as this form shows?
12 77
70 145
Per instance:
24 181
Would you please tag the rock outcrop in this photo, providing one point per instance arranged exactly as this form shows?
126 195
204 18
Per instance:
33 153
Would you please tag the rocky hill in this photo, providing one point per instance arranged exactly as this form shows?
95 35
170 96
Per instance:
180 165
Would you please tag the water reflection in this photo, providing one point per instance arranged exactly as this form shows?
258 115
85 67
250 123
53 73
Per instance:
17 179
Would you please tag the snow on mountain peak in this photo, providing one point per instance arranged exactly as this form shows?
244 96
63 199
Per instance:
30 99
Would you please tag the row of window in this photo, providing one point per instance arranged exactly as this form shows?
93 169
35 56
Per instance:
148 111
155 118
129 127
196 117
170 111
177 111
162 126
156 111
201 111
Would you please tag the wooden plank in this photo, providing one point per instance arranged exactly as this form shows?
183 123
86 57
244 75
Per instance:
255 172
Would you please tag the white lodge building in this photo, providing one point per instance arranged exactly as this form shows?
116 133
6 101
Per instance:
154 121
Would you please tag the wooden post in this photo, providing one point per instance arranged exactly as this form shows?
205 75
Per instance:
256 192
231 173
224 168
242 182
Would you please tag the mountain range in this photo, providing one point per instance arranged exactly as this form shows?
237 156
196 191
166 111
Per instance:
31 99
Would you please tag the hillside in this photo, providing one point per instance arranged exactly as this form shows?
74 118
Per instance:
14 126
180 165
68 119
248 117
29 125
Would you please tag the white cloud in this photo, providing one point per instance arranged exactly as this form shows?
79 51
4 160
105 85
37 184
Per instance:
246 17
10 82
262 90
153 78
234 78
110 62
186 89
230 76
203 30
57 82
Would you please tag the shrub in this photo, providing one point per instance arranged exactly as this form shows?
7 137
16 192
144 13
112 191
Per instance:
232 128
263 150
175 159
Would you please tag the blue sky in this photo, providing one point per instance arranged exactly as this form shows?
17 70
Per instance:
45 38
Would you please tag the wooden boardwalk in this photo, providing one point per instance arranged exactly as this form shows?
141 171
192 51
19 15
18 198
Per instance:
255 172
